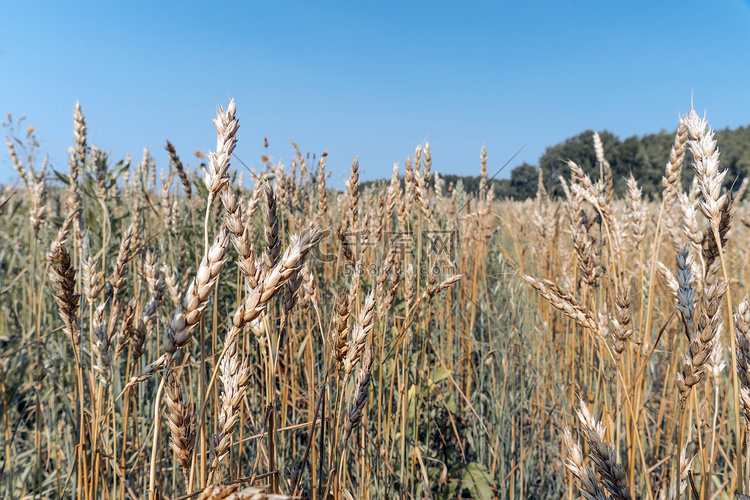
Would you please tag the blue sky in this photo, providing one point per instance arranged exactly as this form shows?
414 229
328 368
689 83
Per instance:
369 78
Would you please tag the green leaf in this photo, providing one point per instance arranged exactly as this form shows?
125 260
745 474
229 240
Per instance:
450 404
120 168
200 187
62 177
439 375
410 394
477 480
451 489
301 349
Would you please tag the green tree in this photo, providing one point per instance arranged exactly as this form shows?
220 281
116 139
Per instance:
523 181
580 149
645 157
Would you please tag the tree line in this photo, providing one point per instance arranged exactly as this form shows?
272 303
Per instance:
645 157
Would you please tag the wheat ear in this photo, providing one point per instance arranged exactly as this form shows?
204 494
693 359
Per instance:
357 405
180 170
235 375
565 302
62 276
234 492
180 330
589 486
360 333
181 423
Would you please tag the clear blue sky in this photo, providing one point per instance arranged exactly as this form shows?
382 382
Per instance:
369 78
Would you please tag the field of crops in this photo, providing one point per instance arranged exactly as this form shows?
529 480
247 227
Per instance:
180 335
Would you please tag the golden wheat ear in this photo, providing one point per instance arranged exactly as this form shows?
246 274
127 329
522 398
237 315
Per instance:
180 420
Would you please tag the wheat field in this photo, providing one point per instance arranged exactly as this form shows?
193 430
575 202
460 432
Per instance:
184 336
